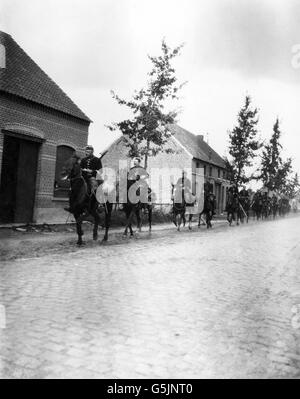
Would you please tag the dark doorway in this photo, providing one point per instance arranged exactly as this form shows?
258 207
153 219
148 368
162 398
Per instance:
18 178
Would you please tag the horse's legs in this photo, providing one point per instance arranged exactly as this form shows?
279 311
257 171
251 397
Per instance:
229 218
129 215
95 228
108 210
130 229
183 219
190 221
201 219
96 223
138 219
175 219
208 219
150 217
178 221
79 229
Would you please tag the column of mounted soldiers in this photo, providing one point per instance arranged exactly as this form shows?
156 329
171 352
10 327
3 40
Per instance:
262 204
239 203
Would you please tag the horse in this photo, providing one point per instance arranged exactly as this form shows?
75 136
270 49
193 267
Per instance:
257 205
244 208
232 207
284 207
208 209
178 205
132 209
294 205
82 203
266 207
274 207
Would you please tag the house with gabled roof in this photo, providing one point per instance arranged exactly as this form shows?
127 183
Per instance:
40 127
189 151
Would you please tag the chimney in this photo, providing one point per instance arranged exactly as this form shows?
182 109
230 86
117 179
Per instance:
200 137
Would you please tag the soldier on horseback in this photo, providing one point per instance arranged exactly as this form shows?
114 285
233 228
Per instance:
244 204
89 166
209 204
232 204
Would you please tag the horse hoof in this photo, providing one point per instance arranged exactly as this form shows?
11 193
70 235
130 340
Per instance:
95 238
104 239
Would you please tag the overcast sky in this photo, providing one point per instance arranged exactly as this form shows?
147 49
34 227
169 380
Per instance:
232 47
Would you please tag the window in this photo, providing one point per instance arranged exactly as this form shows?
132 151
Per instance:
210 171
219 173
61 187
2 56
204 170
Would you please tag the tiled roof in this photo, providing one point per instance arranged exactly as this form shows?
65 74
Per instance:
24 78
196 146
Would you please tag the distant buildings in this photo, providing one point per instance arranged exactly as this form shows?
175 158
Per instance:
40 127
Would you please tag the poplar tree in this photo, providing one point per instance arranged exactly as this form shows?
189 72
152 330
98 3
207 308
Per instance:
274 170
146 133
292 186
243 143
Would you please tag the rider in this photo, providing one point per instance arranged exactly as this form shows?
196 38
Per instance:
137 172
244 195
138 175
89 166
244 198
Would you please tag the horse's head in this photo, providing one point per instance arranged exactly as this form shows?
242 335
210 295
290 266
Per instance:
71 168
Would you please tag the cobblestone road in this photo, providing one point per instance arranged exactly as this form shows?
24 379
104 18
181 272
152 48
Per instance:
199 304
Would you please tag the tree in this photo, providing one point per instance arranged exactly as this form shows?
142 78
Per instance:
243 143
147 133
274 171
230 170
291 186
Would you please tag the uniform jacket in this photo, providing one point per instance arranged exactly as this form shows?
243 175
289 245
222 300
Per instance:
92 163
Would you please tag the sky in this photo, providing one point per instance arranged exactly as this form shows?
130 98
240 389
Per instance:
232 48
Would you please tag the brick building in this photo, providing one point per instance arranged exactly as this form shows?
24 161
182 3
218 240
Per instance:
189 151
40 127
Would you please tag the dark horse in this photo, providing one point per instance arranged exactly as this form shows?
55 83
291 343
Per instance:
232 206
257 205
83 204
209 209
135 208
